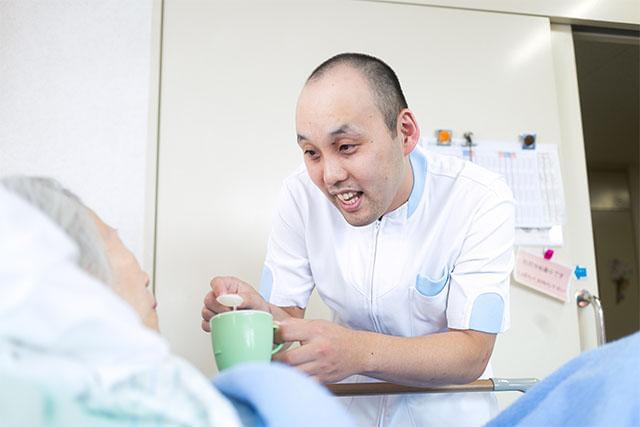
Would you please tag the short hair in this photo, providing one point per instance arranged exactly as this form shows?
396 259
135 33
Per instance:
67 211
382 80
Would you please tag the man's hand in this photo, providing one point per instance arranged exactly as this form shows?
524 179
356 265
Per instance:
230 285
328 352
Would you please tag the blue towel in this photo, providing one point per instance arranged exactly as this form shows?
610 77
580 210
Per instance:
598 388
281 396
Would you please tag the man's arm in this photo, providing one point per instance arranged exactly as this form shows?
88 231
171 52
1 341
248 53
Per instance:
452 357
330 353
281 313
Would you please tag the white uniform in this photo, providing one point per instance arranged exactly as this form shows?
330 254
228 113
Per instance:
441 260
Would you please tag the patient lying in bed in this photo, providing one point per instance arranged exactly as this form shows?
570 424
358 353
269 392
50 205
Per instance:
78 333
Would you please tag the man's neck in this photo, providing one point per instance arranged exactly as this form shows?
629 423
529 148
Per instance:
406 187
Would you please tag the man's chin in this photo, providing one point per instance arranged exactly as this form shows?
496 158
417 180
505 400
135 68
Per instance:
357 220
360 218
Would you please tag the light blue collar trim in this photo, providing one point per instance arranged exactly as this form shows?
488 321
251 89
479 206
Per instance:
419 168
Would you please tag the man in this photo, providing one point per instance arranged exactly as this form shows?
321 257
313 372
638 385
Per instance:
412 252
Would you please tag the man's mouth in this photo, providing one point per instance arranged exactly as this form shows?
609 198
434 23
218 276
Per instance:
349 200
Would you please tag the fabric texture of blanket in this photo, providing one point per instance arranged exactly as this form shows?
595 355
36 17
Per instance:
599 388
282 397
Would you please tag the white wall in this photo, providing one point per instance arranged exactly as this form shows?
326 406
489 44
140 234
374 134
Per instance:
75 83
619 13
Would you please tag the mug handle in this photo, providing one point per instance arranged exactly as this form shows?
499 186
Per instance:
278 347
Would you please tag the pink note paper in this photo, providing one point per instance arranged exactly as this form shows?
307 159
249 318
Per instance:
543 275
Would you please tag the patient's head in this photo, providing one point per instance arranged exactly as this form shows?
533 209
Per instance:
102 253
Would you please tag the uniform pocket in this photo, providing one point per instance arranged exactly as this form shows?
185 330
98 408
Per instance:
429 304
429 287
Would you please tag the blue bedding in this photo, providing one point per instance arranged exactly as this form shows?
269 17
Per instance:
271 394
598 388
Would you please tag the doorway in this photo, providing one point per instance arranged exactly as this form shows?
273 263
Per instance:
608 67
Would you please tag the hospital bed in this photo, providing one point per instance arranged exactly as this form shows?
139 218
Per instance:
270 389
377 388
27 404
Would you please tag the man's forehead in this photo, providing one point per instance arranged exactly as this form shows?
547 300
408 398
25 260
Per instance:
335 96
338 75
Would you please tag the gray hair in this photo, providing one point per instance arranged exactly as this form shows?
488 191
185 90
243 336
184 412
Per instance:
67 211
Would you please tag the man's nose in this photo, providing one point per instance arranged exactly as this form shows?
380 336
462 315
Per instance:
334 172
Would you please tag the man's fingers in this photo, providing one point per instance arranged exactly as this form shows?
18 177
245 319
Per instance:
225 285
205 326
252 299
209 299
213 306
207 314
293 329
232 285
312 369
296 356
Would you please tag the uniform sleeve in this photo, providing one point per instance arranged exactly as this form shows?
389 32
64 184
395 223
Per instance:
479 287
286 277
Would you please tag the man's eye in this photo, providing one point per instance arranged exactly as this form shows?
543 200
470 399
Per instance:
309 153
347 148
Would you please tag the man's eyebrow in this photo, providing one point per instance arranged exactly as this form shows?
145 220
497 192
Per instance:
345 129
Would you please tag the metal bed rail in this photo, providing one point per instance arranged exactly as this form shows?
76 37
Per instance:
378 388
585 298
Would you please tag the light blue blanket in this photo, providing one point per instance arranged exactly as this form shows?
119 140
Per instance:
25 403
598 388
265 395
280 396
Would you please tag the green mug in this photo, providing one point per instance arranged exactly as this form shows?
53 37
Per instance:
241 336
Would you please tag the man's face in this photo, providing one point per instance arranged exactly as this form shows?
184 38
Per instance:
348 150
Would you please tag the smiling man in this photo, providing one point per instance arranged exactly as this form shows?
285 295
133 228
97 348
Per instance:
412 252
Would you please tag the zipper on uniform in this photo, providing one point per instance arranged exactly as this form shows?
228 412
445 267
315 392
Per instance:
382 412
373 268
378 225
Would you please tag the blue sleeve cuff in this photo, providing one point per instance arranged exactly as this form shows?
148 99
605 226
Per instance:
487 313
266 283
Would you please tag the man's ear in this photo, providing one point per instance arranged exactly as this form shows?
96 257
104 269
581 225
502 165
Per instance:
408 129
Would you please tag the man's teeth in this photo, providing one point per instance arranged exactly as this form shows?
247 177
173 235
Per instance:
347 197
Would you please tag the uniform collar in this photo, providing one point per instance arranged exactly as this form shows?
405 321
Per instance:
419 169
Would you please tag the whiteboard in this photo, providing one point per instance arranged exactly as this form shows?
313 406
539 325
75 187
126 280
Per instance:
231 74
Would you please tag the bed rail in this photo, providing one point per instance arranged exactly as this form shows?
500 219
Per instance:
490 385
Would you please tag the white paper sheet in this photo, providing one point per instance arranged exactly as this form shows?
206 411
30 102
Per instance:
534 178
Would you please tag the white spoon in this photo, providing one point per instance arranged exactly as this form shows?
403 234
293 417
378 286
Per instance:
230 300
